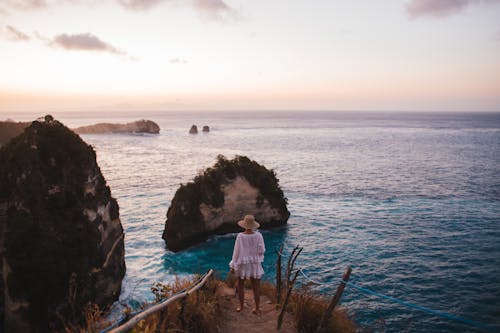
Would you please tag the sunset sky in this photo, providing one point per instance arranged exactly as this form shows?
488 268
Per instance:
409 55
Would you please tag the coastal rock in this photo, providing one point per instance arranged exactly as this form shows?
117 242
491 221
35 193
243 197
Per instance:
193 130
61 239
206 129
219 197
140 126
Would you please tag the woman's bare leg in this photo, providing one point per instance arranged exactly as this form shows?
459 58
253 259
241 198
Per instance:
241 293
256 294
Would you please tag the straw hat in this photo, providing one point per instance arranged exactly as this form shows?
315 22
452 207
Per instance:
248 222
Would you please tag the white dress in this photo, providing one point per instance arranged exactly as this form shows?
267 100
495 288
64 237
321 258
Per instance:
248 255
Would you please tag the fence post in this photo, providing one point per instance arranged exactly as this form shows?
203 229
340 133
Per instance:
289 281
279 280
323 326
287 298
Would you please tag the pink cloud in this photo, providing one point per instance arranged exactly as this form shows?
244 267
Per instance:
438 8
140 4
16 35
84 42
26 4
216 10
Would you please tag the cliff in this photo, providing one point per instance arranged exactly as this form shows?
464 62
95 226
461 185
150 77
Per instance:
61 239
140 126
217 199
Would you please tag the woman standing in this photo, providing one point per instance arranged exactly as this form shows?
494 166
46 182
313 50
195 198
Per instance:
248 255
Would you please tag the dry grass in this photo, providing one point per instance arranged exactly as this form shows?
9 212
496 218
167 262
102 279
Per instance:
309 308
201 312
93 322
196 313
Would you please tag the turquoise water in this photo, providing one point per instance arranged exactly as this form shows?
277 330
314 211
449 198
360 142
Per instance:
410 201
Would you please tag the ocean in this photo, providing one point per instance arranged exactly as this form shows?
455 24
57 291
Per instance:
410 200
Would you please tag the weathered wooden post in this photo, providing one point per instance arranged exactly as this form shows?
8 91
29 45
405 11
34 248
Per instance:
279 280
287 298
290 282
323 326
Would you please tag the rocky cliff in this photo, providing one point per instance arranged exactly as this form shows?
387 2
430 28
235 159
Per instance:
217 199
61 240
140 126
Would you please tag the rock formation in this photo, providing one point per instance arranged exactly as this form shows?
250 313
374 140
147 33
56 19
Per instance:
193 130
61 240
140 126
206 129
217 199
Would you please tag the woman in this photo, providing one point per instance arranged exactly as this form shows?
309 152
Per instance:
248 255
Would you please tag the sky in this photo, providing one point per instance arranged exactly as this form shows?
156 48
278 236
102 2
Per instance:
112 55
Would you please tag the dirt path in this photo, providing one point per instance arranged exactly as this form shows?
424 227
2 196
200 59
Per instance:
246 321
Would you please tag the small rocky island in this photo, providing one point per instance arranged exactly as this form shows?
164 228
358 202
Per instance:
140 126
219 197
193 129
61 239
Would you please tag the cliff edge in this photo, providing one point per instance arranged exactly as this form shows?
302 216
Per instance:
61 239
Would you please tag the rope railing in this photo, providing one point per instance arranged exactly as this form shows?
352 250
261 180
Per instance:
473 323
129 324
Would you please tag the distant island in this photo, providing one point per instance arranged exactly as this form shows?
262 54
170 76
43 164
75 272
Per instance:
140 126
10 129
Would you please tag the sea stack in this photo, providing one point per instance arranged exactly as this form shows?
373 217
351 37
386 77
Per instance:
219 197
206 129
61 239
193 129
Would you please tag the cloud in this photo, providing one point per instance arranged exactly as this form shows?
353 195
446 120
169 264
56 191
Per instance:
140 4
216 10
16 35
26 4
84 42
178 61
439 8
